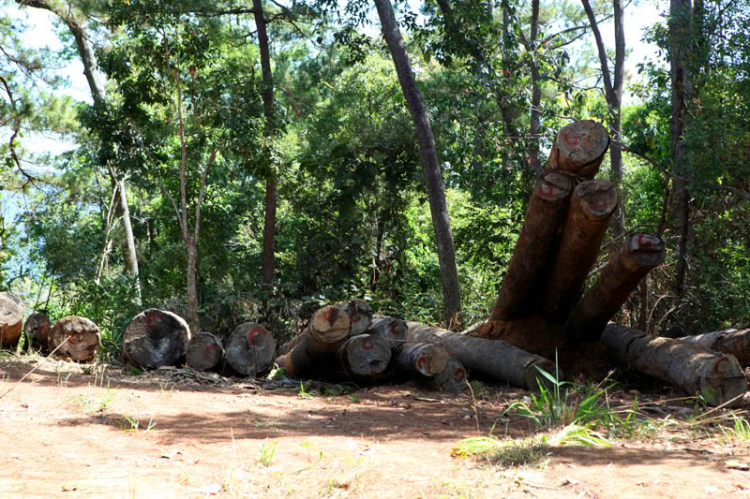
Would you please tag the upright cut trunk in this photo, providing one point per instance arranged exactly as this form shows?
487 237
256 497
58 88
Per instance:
428 158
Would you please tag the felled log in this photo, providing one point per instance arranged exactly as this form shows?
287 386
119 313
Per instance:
204 352
495 359
11 319
392 329
452 378
314 351
360 315
37 328
544 216
75 338
591 206
732 341
640 253
156 338
250 349
716 377
579 148
365 357
532 334
422 359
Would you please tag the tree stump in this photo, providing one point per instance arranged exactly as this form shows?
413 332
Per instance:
75 338
422 359
360 315
11 319
392 329
250 349
37 327
718 378
313 353
579 148
156 338
205 351
365 357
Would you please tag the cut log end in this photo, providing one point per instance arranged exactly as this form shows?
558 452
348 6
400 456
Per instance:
553 186
646 249
425 359
11 319
598 198
75 338
452 378
250 349
579 148
38 327
156 338
360 315
330 325
205 351
365 356
392 329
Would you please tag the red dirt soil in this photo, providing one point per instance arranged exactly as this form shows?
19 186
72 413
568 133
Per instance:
77 431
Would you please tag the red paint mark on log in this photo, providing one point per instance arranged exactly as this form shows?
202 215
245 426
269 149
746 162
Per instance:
393 329
355 319
151 318
421 361
367 344
644 241
460 374
254 332
330 315
74 338
571 140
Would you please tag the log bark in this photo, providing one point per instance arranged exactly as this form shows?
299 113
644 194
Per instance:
364 357
592 205
314 352
205 351
360 315
452 378
11 319
544 216
533 334
494 359
391 329
156 338
732 341
716 377
37 327
422 359
75 338
640 253
251 349
579 148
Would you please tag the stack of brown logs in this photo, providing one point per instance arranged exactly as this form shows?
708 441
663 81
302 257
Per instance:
542 306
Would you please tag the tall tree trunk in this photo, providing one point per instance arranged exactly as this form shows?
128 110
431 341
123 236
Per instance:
429 160
269 227
535 126
192 288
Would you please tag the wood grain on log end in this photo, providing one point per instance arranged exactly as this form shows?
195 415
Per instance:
360 315
330 325
426 359
156 338
646 249
452 378
205 351
553 186
11 319
392 329
82 335
579 148
37 327
598 198
365 356
250 349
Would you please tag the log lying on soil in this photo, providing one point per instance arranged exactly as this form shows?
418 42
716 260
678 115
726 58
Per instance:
75 338
313 353
718 378
640 253
452 378
494 359
360 315
544 216
37 327
732 341
579 148
365 357
422 359
156 338
591 207
11 319
250 349
205 351
392 329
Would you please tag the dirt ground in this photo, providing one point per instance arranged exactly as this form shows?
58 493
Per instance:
77 431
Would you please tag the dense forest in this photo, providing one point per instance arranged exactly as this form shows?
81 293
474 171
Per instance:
258 159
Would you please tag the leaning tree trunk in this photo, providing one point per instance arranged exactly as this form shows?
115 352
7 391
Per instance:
495 359
11 319
205 351
718 378
75 338
156 338
313 353
428 157
364 358
591 207
250 349
731 341
640 253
